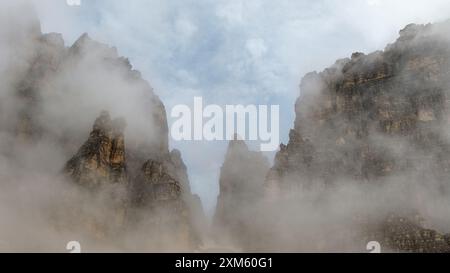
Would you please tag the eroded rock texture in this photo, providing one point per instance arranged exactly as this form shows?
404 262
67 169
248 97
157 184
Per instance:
126 175
351 117
406 235
155 197
371 119
158 193
101 160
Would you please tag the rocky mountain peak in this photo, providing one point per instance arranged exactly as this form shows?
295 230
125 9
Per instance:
366 124
101 159
241 186
371 119
85 43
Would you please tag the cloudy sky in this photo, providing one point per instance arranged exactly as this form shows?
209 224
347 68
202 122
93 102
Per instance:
234 51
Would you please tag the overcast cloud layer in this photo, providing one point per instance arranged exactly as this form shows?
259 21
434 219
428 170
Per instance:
234 51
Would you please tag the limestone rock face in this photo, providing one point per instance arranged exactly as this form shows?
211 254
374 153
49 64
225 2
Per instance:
157 197
101 159
196 214
406 235
50 96
371 119
241 188
399 95
154 186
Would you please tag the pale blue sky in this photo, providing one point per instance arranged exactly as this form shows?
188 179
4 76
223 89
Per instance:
234 51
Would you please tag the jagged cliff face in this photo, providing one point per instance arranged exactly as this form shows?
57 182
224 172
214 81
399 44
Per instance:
101 159
406 234
376 120
117 179
367 158
373 116
154 201
56 90
155 191
376 115
241 188
158 197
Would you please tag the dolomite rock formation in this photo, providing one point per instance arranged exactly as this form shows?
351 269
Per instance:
51 95
406 235
398 94
101 159
373 118
156 192
241 187
196 214
49 68
157 197
99 169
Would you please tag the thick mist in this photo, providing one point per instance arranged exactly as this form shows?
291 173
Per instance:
367 159
50 97
52 93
